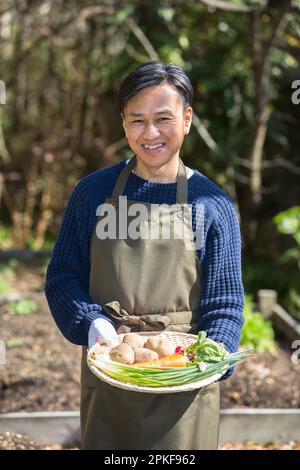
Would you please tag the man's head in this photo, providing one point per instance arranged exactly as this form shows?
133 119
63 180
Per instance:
155 104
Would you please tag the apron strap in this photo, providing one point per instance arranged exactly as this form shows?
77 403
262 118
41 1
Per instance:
151 322
182 184
181 189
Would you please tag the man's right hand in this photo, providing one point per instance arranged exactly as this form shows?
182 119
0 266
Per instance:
102 329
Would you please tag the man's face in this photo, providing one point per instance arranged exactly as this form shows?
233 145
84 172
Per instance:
155 117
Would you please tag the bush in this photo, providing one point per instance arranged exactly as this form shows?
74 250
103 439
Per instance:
288 223
257 332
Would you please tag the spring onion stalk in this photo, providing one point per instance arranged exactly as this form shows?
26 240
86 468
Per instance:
170 376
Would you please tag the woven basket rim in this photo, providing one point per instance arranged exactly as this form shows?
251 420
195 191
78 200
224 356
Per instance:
157 390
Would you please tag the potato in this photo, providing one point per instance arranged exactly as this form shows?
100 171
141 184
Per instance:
122 353
134 340
160 345
144 355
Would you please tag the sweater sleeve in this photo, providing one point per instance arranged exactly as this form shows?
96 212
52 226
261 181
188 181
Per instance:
222 299
67 278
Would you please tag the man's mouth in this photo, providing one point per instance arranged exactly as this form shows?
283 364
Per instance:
154 148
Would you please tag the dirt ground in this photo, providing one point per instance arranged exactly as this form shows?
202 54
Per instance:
12 441
265 380
42 372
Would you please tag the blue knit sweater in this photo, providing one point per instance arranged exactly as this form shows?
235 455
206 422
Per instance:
222 296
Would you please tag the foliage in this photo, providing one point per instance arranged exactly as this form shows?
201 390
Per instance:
7 269
288 223
4 287
6 275
61 117
15 342
257 332
6 239
23 307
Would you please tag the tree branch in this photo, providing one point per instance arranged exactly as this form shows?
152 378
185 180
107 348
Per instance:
261 68
142 38
4 153
204 134
227 6
279 162
135 54
278 29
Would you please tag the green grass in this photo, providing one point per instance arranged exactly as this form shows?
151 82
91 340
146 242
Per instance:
23 307
15 342
4 287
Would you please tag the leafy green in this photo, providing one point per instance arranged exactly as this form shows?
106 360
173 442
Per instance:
205 350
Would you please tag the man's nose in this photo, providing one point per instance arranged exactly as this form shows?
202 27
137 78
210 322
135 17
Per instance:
151 131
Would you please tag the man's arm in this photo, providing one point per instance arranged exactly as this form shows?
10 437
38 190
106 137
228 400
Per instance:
67 279
222 298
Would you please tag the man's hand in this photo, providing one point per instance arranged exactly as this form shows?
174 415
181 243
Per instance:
102 329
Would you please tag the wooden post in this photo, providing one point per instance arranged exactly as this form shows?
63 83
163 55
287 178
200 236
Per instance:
267 299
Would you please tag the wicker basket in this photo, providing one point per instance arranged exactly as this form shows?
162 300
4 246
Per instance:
178 339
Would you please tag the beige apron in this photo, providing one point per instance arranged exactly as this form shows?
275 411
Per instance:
148 284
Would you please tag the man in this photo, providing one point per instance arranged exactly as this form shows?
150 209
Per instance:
160 282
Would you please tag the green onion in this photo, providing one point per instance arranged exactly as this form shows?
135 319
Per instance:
168 376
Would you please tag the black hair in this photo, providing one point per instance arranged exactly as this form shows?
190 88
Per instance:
155 73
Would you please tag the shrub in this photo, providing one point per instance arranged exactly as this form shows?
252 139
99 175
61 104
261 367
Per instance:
257 332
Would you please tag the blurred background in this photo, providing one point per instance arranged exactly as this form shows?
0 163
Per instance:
62 63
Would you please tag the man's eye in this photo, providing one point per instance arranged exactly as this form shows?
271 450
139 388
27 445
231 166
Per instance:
138 121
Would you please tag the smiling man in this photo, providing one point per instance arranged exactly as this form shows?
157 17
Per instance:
159 283
155 123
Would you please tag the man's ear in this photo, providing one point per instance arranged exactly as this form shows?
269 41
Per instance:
188 117
123 123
